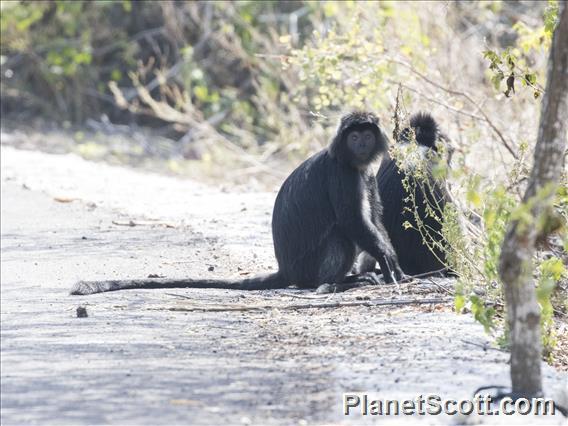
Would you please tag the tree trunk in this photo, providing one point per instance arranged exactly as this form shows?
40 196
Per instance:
516 262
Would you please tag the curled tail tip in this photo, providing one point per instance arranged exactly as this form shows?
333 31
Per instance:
81 288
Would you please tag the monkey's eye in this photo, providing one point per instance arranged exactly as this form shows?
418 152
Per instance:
354 137
368 137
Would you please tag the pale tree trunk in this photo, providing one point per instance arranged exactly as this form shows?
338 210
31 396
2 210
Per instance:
516 263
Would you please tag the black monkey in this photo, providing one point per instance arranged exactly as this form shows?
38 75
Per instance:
415 256
326 212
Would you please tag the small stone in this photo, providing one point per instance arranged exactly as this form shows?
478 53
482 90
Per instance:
82 312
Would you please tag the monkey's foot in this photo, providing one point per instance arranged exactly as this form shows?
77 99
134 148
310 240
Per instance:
370 278
344 286
325 289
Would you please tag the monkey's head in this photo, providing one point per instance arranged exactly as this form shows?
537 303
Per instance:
422 143
423 130
359 139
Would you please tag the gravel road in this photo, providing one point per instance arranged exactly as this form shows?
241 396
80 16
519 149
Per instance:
150 358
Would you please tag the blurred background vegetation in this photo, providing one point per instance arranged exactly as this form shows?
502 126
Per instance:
271 77
243 91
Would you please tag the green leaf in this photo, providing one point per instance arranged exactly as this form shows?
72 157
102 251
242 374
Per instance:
550 17
201 93
553 268
531 78
474 197
116 75
492 56
459 302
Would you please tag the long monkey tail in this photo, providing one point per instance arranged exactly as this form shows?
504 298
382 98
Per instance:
263 282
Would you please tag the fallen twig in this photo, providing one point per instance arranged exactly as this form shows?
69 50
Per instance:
484 347
64 199
311 297
368 303
441 287
142 223
296 296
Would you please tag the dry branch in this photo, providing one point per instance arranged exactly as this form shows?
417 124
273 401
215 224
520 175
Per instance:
464 95
331 305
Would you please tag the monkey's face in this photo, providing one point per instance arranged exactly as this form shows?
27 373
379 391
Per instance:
361 143
364 143
359 140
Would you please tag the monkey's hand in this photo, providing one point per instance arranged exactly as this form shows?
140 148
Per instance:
370 278
399 274
325 289
391 269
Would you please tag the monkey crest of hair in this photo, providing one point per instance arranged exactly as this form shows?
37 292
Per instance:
425 128
357 120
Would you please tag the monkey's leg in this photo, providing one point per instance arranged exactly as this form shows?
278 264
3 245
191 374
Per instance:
365 263
336 279
364 271
329 263
386 270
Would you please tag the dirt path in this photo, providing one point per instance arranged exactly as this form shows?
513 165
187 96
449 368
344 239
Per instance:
136 361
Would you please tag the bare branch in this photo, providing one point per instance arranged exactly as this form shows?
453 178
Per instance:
464 95
331 305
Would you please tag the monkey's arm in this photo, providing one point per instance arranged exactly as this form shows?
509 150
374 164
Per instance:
366 235
353 209
364 263
389 263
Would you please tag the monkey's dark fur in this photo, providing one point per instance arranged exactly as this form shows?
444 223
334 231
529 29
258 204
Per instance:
327 211
415 256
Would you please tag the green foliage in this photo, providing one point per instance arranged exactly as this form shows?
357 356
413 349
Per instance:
483 314
494 207
496 214
335 71
63 54
512 64
54 48
497 208
470 301
551 271
550 17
